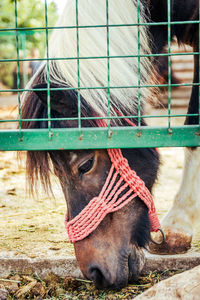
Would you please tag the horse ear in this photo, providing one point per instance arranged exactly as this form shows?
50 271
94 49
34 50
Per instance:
62 101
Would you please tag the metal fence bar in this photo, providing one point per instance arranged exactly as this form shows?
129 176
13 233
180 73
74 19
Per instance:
48 74
97 138
18 72
103 118
78 68
101 87
139 70
102 57
199 66
108 63
99 26
169 62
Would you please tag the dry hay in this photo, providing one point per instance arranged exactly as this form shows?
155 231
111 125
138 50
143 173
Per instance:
20 286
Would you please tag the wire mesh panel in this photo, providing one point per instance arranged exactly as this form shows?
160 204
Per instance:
110 136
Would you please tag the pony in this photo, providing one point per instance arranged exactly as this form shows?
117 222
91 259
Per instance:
112 255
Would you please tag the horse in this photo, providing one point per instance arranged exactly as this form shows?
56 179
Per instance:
111 254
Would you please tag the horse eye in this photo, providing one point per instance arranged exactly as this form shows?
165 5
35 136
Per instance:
86 167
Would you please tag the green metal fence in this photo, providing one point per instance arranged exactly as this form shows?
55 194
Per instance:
110 137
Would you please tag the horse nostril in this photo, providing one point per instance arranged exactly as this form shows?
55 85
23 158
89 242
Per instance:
101 279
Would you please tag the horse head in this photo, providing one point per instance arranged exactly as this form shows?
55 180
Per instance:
112 255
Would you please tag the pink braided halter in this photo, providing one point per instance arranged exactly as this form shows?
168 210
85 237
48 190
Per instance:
122 185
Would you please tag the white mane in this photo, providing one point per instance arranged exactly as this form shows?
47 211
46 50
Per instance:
123 40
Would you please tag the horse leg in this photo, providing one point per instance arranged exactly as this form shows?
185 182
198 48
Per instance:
179 222
184 214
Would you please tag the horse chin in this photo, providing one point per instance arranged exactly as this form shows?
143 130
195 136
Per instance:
136 263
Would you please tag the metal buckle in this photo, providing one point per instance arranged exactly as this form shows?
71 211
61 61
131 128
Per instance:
163 238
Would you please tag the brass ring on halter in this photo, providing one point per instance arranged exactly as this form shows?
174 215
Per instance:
163 238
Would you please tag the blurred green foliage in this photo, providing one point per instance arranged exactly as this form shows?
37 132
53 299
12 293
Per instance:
29 14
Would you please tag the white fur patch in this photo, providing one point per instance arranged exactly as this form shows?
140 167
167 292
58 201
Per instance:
73 157
185 212
93 42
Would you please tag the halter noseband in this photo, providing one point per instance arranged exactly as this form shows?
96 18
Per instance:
122 185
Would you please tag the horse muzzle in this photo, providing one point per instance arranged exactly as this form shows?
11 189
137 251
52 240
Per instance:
111 271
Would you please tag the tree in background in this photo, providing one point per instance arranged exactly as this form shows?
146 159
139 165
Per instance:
29 14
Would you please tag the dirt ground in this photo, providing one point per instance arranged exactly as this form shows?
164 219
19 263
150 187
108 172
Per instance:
29 226
35 227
